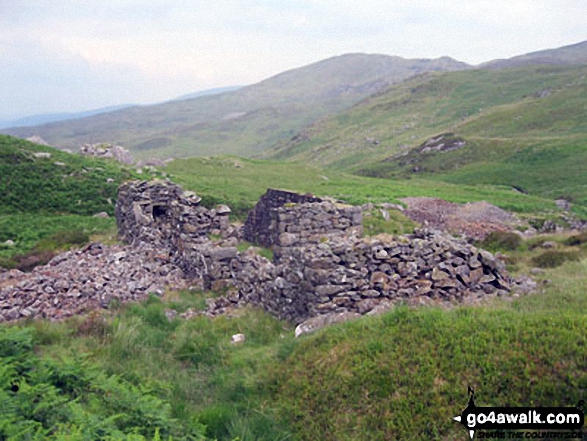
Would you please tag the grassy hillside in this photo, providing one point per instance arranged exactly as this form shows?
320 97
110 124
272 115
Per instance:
245 121
523 127
239 183
46 204
62 183
566 55
403 375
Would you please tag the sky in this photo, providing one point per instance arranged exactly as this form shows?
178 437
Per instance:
73 55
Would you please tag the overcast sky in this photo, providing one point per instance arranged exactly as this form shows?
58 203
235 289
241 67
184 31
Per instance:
70 55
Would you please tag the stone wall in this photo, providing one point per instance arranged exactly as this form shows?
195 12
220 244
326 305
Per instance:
297 224
342 274
321 264
258 223
159 212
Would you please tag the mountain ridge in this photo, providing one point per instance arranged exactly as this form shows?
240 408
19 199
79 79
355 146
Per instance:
46 118
245 121
252 120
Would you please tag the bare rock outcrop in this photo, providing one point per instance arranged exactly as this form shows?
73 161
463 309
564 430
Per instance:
104 150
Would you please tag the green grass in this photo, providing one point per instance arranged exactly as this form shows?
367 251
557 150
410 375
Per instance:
552 169
487 103
46 203
403 375
188 370
514 137
35 234
76 185
217 180
374 223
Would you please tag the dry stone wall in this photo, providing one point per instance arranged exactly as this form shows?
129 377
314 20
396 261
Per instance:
257 228
356 275
321 264
346 274
298 224
159 212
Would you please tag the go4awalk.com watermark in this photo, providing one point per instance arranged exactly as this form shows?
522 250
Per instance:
523 422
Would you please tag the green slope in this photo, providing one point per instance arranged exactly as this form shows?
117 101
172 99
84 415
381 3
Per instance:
62 183
566 55
524 127
245 121
46 204
240 182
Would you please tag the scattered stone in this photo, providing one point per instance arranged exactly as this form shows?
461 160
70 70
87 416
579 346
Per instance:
443 143
223 209
37 140
563 204
548 244
79 281
42 155
321 266
473 220
102 215
315 323
105 150
238 339
171 314
9 243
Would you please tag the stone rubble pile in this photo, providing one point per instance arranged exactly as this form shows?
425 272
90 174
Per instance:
473 220
90 278
102 150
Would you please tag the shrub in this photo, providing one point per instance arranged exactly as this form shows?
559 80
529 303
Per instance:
71 398
554 258
578 239
501 240
374 223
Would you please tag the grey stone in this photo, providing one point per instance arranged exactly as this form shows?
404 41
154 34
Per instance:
315 323
223 253
238 339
